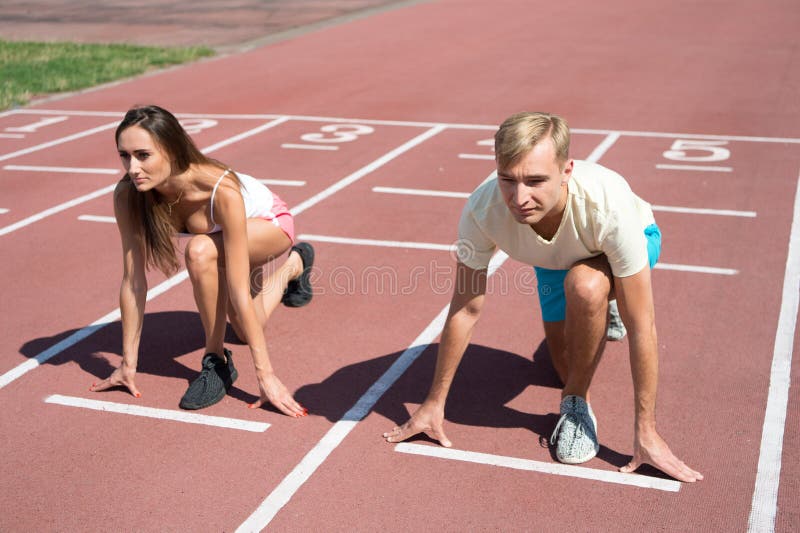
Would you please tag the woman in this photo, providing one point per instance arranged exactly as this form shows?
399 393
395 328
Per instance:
234 223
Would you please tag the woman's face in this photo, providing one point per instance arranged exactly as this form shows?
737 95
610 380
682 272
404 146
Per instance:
145 162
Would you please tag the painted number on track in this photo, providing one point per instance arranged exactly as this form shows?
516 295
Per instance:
330 135
695 154
485 156
193 126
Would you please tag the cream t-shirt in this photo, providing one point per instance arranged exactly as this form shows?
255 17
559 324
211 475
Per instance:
602 216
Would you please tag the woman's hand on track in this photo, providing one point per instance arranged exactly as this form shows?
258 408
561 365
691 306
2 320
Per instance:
121 377
276 393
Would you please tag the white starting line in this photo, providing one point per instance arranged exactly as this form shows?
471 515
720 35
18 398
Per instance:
161 414
530 465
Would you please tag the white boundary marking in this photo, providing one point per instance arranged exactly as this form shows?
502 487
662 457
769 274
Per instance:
281 495
421 192
374 242
698 269
703 211
97 218
701 168
57 209
601 149
56 142
3 210
286 183
558 469
33 168
291 146
671 209
11 136
483 157
309 118
162 414
765 494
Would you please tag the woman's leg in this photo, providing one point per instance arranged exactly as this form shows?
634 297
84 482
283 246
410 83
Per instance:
267 242
203 263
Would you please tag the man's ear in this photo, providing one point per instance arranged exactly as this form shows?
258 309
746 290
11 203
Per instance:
566 172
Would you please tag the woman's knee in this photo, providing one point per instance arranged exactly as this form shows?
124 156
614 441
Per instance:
201 254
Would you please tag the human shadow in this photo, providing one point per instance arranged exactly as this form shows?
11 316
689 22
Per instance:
486 381
166 336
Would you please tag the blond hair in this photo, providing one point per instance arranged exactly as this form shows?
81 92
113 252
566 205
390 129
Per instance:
521 131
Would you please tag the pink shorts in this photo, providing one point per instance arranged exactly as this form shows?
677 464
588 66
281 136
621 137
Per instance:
282 217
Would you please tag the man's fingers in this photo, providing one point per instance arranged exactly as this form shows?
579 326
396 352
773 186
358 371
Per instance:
630 467
400 433
438 434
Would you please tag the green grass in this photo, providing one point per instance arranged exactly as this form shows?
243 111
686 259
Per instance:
29 69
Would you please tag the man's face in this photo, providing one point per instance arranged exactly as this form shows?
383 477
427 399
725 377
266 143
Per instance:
532 187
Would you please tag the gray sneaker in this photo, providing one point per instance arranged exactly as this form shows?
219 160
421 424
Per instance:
616 329
576 432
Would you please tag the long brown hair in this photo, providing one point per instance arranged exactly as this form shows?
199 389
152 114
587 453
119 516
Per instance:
148 209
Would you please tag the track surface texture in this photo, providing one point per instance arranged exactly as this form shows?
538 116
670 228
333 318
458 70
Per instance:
372 120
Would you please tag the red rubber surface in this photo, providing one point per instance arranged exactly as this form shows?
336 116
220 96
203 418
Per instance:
677 70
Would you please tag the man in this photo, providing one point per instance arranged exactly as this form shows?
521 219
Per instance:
591 240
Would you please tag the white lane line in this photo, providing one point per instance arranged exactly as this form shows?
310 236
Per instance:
62 140
31 128
765 495
666 208
249 133
281 495
291 146
57 209
82 333
3 210
421 192
286 183
601 149
702 168
357 175
97 218
12 136
374 242
557 469
460 126
702 211
483 157
74 170
162 414
697 269
449 247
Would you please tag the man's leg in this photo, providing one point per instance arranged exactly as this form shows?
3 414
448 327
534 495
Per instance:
580 339
586 289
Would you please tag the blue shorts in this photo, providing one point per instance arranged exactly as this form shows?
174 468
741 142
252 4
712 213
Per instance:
550 283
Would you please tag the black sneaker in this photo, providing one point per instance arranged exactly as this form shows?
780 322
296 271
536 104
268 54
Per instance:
299 292
213 382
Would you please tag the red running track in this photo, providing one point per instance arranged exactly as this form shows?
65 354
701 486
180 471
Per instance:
695 104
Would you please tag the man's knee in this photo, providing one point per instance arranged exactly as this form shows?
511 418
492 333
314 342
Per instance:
587 288
201 254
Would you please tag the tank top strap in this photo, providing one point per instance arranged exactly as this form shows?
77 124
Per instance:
214 192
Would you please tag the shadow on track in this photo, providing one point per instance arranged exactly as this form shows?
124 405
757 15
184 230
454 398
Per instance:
166 336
